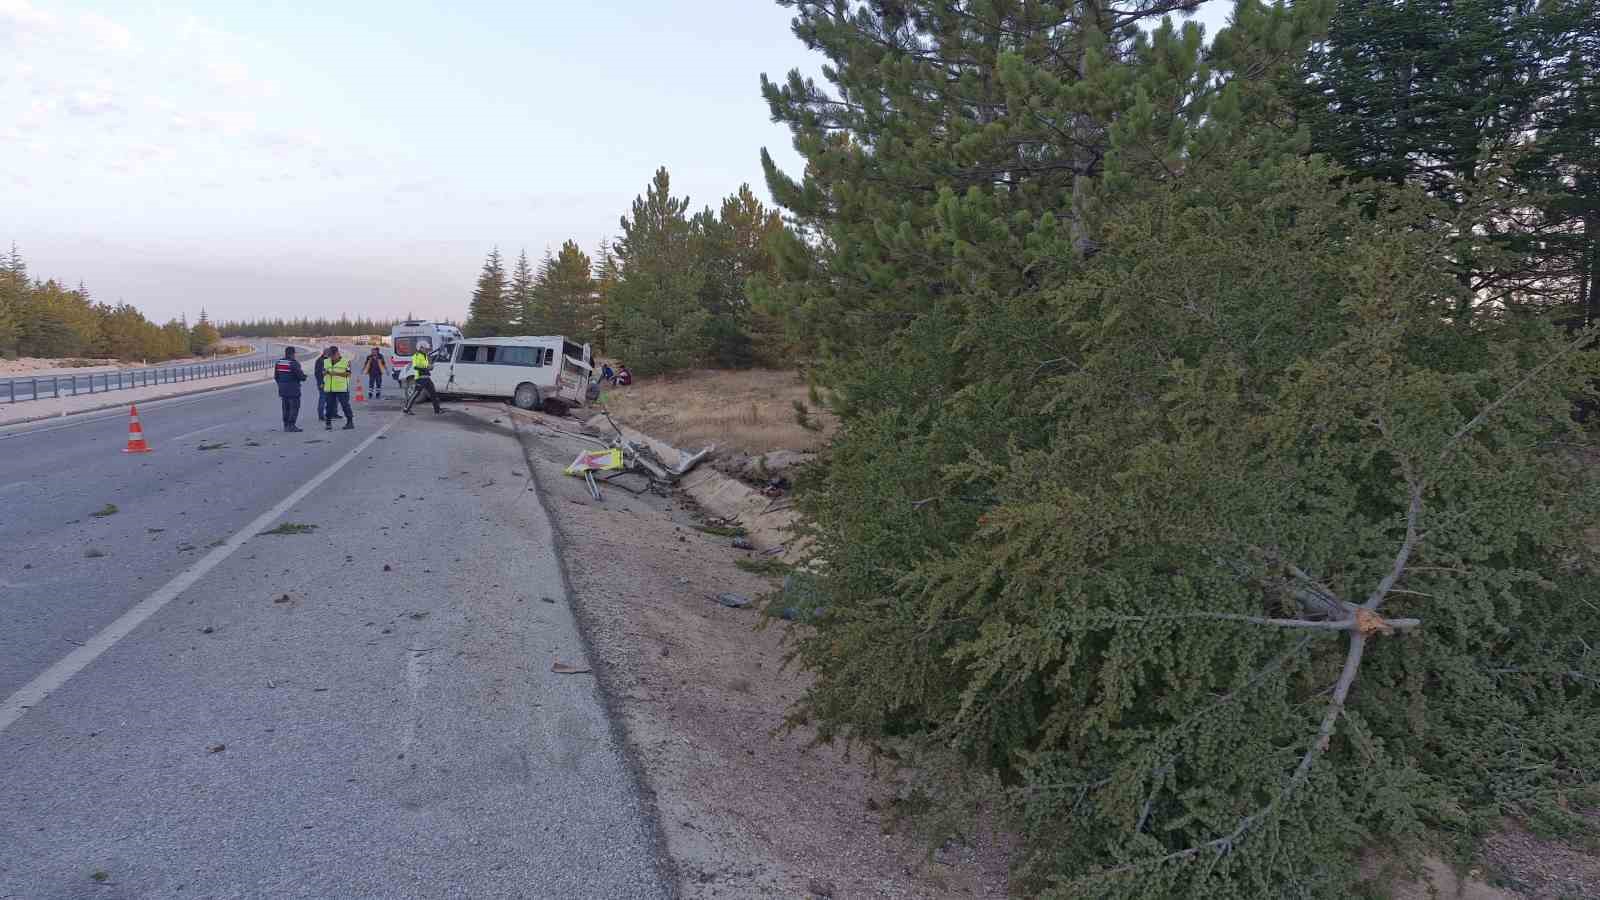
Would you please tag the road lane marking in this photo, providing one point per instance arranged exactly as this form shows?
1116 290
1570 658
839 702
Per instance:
14 484
190 434
51 679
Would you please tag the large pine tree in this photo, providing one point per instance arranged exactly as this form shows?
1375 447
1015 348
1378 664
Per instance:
490 312
522 296
1465 98
654 317
1169 508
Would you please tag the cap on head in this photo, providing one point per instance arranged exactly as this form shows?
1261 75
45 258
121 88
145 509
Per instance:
288 352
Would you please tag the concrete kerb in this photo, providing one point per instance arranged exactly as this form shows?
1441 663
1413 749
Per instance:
767 528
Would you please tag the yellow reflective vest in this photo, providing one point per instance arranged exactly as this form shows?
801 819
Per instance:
421 364
336 376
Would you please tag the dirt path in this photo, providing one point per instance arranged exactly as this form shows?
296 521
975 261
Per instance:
745 812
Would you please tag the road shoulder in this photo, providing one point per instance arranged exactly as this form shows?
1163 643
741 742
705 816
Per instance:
744 810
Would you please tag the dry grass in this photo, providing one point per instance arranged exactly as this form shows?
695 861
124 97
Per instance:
749 412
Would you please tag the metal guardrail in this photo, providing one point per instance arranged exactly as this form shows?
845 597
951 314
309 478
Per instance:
47 387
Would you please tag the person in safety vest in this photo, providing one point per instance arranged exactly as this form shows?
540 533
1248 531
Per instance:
289 376
336 381
318 374
422 367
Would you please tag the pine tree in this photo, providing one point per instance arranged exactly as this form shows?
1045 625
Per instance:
567 285
607 273
522 300
1444 94
13 291
654 319
1059 268
490 313
204 336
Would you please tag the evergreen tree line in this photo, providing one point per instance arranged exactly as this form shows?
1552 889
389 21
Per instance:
1207 499
344 325
674 290
43 319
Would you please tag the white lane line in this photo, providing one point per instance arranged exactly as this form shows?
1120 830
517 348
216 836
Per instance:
51 679
190 434
14 484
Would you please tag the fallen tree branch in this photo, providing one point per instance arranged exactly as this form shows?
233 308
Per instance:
1354 623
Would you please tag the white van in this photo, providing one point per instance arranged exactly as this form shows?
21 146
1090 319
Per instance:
531 372
405 337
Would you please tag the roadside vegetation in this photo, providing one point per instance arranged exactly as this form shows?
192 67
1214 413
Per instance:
42 319
1206 484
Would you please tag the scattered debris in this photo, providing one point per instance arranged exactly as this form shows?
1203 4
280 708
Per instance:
284 599
110 509
185 548
548 599
422 649
561 668
216 748
100 876
94 553
733 601
251 444
215 544
740 542
387 567
290 528
154 530
217 446
207 630
420 615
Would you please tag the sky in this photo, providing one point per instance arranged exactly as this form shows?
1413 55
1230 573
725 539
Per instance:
284 159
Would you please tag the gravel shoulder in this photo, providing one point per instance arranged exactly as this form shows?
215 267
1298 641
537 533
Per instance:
745 808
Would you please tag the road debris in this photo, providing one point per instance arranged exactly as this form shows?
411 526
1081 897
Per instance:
743 543
733 601
216 748
561 668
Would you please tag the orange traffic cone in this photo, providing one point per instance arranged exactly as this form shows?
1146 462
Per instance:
361 394
136 442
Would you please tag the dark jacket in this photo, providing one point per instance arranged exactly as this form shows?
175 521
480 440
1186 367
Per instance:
316 370
374 365
288 374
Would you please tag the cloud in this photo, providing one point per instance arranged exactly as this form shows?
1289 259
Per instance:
106 34
93 103
25 17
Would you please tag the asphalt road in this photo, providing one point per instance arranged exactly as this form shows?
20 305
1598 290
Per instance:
190 708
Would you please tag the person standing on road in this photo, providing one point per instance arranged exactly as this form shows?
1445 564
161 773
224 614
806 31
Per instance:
289 376
422 366
319 372
374 369
336 375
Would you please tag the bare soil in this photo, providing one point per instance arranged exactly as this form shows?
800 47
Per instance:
746 809
744 412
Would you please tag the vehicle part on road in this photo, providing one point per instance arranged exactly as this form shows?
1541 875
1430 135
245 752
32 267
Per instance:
561 668
136 442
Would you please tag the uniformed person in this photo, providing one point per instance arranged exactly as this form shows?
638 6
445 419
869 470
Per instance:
289 376
422 367
336 380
